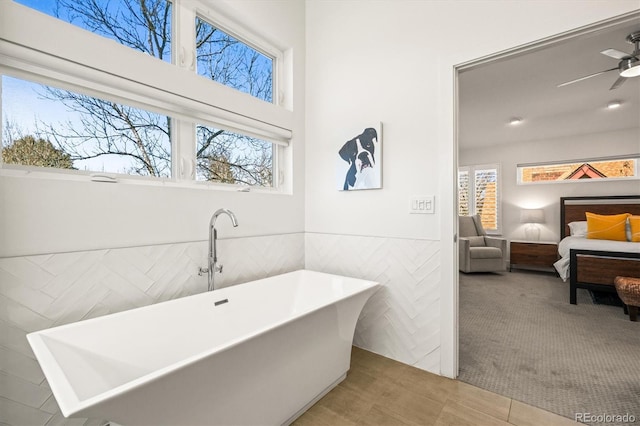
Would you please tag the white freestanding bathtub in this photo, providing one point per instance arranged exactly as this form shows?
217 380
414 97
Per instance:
259 353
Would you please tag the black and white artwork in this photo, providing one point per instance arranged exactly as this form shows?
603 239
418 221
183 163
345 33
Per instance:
360 160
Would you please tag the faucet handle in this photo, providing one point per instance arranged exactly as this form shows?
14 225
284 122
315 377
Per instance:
218 268
202 270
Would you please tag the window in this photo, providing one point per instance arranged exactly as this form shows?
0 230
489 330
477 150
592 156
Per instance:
141 25
224 59
464 193
478 193
43 125
228 157
85 112
625 167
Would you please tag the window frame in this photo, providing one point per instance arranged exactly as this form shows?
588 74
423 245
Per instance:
632 157
168 90
252 40
471 170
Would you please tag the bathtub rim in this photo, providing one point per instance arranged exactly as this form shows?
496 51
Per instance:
71 404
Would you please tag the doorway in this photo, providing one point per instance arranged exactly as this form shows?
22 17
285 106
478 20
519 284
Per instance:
522 84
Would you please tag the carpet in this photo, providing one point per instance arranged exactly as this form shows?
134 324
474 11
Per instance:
521 338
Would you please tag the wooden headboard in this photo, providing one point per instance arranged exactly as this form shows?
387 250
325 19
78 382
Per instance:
573 208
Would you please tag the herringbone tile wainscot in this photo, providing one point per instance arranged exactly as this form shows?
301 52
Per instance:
401 321
43 291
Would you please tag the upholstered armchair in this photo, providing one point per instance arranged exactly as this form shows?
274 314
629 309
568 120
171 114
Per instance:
477 251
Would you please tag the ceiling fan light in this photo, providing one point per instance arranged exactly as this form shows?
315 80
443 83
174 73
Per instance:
630 67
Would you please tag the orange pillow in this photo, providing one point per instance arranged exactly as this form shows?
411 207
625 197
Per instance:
634 221
607 227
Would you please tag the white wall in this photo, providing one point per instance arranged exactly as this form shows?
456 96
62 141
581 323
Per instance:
392 61
47 216
547 196
385 63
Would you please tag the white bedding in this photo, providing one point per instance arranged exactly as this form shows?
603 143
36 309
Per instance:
568 243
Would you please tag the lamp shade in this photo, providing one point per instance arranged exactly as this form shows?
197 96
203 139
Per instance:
532 216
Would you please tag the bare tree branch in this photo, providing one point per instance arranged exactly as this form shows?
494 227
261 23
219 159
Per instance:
109 129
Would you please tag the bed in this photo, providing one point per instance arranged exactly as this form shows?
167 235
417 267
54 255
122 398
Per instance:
594 264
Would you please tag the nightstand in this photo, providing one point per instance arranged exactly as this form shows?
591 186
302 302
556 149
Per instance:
538 255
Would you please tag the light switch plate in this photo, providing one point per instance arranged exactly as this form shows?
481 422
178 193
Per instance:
422 205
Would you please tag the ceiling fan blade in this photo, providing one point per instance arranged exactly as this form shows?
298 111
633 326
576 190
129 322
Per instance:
585 77
613 53
619 82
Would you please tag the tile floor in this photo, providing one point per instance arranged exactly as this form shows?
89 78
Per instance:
380 391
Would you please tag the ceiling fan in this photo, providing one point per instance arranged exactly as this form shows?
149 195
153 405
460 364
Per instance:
629 65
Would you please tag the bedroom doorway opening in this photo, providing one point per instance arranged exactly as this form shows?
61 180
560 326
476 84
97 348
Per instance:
518 335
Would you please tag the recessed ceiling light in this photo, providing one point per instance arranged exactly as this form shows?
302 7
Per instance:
515 121
614 104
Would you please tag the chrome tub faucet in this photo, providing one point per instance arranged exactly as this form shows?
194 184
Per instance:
212 258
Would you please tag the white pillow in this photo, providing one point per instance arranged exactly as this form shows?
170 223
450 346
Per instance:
578 229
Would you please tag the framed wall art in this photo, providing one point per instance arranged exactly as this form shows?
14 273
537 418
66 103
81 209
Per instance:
359 158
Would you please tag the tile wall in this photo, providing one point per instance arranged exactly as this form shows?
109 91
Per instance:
43 291
401 321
